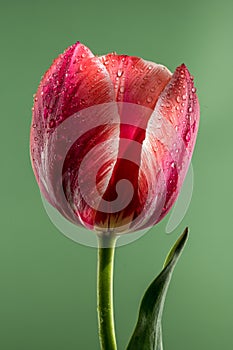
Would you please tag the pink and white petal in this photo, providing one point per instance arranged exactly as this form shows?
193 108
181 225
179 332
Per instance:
176 114
136 80
179 104
75 81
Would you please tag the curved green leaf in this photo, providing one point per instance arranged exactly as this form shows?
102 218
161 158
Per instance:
148 331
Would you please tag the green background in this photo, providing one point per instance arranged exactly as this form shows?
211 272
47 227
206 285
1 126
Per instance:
48 283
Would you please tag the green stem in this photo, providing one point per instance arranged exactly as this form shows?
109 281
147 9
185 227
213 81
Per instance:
106 249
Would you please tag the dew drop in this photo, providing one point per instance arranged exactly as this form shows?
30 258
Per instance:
35 138
194 89
184 97
52 123
150 67
34 126
152 89
46 113
119 73
122 89
178 99
190 109
149 99
173 164
188 136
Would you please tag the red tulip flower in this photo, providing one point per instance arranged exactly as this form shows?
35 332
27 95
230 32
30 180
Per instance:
112 137
111 141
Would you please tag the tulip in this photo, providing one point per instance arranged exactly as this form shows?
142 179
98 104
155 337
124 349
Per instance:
112 137
111 141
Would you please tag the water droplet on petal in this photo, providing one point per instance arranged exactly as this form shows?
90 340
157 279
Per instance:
194 89
188 136
173 164
184 97
149 99
122 89
119 73
52 123
178 99
46 113
190 109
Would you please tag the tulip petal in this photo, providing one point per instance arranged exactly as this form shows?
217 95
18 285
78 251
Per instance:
179 104
75 81
136 80
170 137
